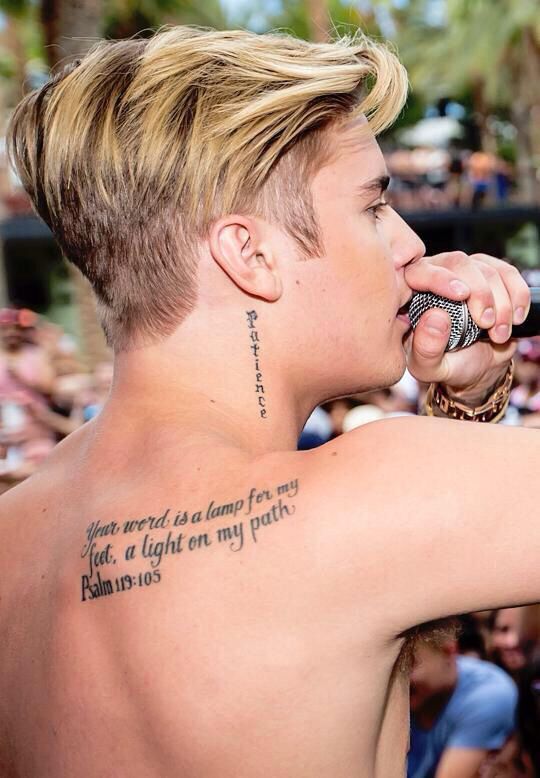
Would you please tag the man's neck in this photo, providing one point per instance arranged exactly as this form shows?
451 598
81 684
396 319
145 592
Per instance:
207 398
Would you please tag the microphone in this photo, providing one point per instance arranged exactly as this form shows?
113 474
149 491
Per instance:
463 330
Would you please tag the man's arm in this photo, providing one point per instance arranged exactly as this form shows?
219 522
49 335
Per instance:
441 517
461 762
483 722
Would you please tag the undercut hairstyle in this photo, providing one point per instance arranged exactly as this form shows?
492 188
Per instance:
132 153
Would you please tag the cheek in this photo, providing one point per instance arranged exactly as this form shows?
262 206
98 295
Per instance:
513 637
355 249
354 284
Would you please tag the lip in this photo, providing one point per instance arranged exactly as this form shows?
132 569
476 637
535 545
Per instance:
404 317
404 307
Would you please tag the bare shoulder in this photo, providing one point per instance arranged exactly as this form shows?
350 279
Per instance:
413 452
449 505
48 484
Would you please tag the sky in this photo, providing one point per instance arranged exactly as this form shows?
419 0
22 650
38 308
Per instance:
273 5
435 11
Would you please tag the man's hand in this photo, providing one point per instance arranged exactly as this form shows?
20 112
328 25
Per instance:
497 297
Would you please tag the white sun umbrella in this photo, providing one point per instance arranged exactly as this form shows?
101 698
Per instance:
436 131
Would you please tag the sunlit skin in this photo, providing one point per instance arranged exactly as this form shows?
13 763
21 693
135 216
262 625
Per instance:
281 659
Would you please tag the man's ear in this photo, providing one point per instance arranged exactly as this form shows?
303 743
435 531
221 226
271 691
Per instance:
238 247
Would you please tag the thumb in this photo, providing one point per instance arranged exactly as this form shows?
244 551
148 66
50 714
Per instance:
430 340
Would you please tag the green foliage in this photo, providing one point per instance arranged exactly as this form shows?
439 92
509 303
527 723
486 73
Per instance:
345 17
7 65
16 8
479 46
128 17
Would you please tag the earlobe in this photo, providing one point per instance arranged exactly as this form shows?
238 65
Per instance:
238 248
273 288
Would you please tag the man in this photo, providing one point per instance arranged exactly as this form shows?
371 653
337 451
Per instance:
183 593
463 710
508 647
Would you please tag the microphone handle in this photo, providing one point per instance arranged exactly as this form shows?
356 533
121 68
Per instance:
531 326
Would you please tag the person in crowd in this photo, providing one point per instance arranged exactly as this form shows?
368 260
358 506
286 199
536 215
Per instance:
462 711
525 396
502 179
405 185
40 375
337 411
66 401
431 165
481 171
92 399
60 346
397 399
26 381
514 646
456 171
509 647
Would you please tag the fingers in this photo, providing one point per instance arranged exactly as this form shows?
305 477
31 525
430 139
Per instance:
427 355
489 303
439 275
516 288
463 369
496 294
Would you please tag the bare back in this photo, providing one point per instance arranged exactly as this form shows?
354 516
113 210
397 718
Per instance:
187 619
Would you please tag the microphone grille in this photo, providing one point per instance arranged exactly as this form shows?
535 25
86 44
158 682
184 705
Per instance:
463 330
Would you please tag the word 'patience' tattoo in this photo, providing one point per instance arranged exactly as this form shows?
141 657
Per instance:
255 348
150 540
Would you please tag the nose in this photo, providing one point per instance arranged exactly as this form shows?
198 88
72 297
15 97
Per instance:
405 243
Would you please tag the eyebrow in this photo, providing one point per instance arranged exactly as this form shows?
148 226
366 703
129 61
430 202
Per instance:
374 186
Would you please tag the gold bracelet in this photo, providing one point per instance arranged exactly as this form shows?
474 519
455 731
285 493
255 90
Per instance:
492 410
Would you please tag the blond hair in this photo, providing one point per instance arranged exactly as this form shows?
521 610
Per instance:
131 154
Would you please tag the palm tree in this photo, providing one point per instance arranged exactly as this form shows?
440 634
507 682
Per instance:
489 48
70 28
319 20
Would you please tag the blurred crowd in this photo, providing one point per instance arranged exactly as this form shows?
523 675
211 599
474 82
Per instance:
407 398
424 178
475 697
45 392
475 692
